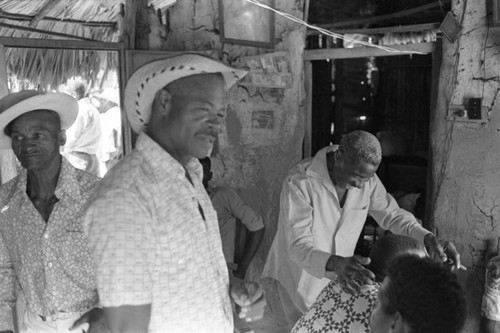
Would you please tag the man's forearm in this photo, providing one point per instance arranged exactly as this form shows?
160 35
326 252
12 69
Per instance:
253 241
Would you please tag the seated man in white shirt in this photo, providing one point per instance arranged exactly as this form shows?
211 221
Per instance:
231 213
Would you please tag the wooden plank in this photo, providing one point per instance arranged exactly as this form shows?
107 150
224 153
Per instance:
130 23
385 17
306 10
127 143
23 17
363 52
36 43
4 87
437 58
41 31
7 158
383 30
308 109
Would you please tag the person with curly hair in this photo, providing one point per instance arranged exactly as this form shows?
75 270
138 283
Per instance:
418 296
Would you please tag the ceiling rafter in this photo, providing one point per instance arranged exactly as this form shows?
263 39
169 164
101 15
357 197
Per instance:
44 9
23 17
381 18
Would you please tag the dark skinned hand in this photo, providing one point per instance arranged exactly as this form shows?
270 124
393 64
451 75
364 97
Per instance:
351 272
95 319
442 251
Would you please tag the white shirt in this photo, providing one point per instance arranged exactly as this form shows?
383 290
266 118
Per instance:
84 135
155 240
312 226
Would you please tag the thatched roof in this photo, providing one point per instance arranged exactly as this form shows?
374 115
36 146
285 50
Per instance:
95 20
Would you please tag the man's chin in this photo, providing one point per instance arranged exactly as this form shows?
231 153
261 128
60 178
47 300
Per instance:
203 152
31 164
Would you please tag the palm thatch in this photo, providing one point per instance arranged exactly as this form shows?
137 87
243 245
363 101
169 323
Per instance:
49 68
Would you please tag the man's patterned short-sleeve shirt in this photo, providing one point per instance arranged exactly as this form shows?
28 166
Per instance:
338 311
50 261
155 240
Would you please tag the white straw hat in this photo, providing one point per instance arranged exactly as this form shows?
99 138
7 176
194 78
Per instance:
150 78
16 104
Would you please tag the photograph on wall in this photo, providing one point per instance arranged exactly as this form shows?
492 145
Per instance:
245 23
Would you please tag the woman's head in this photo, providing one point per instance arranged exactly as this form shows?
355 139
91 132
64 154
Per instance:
390 246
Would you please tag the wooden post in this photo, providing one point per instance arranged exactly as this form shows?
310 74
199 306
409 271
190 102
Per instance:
7 158
142 28
308 109
129 23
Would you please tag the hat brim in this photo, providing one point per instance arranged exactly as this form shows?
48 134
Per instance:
150 78
65 106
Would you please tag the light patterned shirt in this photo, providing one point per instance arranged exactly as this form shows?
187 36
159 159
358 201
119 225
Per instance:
155 241
49 261
338 311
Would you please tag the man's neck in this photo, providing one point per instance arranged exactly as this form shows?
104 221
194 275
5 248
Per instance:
330 165
42 182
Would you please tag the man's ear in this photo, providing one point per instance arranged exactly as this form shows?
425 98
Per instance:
62 137
338 155
399 324
163 102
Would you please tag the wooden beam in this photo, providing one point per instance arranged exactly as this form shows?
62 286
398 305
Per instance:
306 10
383 30
308 78
37 43
44 9
375 19
363 52
22 17
47 32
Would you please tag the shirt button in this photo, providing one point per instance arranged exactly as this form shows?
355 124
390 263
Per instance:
49 264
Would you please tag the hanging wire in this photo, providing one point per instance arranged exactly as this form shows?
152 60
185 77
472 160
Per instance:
327 32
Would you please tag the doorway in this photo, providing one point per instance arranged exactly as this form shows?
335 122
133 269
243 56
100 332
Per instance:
389 97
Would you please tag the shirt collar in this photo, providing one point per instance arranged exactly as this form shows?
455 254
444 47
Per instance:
67 182
162 162
318 167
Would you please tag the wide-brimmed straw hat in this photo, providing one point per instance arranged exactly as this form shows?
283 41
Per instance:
150 78
16 104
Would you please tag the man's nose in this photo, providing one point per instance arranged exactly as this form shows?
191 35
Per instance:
215 121
28 144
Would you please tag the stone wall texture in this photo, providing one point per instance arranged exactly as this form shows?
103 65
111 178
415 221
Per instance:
466 155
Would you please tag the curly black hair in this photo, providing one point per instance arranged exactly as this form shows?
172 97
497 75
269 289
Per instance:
387 248
426 294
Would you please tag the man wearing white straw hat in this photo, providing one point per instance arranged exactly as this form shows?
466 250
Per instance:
152 227
43 251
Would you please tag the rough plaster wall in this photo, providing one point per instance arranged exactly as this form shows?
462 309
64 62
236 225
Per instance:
253 161
466 156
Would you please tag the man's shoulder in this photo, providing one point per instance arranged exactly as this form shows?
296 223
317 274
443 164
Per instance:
7 190
130 176
298 173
